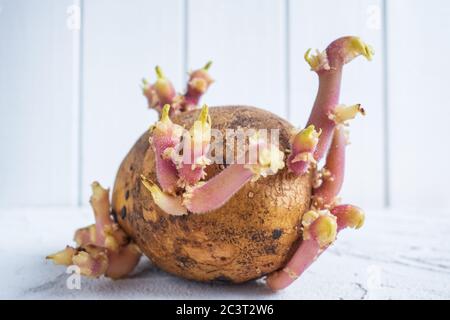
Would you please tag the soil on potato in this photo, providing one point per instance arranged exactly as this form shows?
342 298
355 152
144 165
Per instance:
253 234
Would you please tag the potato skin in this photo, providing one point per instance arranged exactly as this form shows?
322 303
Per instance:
253 234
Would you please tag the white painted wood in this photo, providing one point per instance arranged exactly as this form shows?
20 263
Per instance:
418 102
314 24
392 257
37 132
245 39
123 41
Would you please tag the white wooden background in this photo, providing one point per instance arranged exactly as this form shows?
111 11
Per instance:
71 106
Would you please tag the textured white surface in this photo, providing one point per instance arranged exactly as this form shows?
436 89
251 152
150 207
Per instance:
399 254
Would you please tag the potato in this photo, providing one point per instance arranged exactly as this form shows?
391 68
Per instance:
239 227
254 233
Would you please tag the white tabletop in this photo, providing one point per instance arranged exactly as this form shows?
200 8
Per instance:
399 254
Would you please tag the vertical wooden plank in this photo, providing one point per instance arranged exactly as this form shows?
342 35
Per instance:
246 42
418 47
123 41
313 24
36 101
